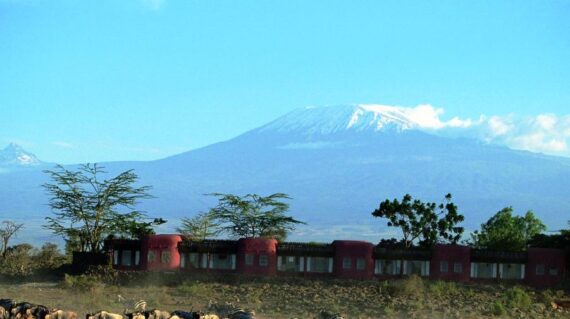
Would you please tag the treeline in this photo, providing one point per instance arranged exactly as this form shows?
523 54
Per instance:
89 206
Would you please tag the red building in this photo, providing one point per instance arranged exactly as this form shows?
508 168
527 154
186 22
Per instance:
450 262
538 267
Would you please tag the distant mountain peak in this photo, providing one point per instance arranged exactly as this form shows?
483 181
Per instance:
356 117
14 154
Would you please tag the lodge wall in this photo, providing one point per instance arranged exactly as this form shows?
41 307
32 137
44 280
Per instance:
538 267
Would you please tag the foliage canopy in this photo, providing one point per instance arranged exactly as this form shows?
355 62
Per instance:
199 227
87 208
503 231
253 215
425 223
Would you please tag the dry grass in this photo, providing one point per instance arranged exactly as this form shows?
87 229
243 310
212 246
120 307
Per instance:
288 298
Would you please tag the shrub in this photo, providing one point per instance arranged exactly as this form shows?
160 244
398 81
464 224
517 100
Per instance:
413 286
498 309
442 288
82 283
517 298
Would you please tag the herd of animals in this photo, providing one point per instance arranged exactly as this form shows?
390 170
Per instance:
10 309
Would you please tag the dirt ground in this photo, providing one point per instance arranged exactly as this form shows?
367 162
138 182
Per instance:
302 299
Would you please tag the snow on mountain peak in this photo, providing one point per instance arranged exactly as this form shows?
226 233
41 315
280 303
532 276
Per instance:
14 154
362 117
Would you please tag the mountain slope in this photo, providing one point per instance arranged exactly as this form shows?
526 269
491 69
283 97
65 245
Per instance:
15 155
338 163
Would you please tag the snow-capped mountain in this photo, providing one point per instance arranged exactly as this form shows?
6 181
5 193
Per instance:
337 163
359 117
15 155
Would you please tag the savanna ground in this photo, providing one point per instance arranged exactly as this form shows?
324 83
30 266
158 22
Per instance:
293 297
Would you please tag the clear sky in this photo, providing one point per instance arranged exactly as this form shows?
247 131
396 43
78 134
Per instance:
137 80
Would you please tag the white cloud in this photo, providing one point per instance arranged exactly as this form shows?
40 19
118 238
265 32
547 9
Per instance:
423 116
544 133
500 126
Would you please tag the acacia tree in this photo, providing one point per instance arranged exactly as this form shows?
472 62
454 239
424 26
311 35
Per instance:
253 215
199 227
7 231
503 231
426 223
88 208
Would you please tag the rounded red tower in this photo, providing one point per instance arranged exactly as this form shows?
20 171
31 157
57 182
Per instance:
257 256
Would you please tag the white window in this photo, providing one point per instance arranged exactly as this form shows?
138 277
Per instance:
457 268
319 264
263 260
222 261
360 264
346 263
511 271
443 266
115 257
289 263
248 260
126 258
137 257
416 267
387 267
483 270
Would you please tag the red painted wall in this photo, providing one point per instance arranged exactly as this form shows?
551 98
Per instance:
156 245
550 258
353 250
451 254
257 247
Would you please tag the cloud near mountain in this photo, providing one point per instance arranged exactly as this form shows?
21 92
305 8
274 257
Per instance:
543 133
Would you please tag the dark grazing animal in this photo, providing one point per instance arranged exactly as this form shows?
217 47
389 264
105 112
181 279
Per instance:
22 310
328 315
7 304
39 311
241 314
186 315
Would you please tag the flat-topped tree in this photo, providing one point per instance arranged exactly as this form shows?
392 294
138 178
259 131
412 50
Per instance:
88 208
199 227
253 215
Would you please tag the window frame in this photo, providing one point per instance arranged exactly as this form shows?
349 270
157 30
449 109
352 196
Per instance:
346 263
263 261
444 266
248 259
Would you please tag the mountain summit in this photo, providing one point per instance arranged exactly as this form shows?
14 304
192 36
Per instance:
15 155
360 118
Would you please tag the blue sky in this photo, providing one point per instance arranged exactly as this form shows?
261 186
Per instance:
143 79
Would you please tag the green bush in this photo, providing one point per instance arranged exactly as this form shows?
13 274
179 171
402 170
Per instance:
498 309
517 298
